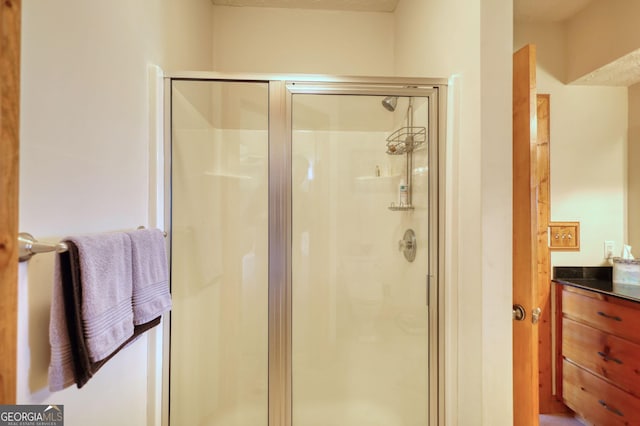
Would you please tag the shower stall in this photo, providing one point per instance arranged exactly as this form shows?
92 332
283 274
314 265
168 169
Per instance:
305 217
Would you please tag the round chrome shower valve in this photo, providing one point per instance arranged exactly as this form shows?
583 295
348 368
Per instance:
408 245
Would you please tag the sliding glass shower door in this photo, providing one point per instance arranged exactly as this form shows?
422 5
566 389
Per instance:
304 255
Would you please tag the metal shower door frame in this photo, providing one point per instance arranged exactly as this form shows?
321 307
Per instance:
281 91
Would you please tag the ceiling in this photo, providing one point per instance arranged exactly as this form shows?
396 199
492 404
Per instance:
523 10
353 5
547 10
624 71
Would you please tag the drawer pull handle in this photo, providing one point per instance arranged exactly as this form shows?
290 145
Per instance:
606 357
613 410
615 318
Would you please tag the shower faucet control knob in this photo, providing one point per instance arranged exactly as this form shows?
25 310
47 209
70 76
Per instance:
407 245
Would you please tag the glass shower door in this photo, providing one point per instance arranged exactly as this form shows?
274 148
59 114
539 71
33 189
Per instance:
304 239
219 332
360 320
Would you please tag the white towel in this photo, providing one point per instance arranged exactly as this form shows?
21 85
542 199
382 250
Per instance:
151 297
107 289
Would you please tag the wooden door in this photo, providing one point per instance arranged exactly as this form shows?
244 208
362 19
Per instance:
9 126
525 267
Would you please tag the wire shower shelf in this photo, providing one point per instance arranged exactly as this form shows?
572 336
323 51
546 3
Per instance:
406 139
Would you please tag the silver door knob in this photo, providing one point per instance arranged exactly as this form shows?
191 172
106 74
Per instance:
519 313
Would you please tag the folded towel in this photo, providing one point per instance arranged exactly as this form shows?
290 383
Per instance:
85 369
151 297
61 367
106 280
70 356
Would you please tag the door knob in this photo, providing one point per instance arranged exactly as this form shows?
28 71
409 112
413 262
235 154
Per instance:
519 314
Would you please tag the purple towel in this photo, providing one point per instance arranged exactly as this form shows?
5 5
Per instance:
151 297
70 359
107 288
61 368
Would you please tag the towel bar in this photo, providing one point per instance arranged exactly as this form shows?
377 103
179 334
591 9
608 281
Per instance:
28 246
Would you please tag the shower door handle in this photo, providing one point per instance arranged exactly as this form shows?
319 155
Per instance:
428 291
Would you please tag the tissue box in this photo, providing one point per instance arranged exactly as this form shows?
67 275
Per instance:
626 271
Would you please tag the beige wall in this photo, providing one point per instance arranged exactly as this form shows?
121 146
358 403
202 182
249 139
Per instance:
633 157
85 141
497 240
185 34
274 40
588 149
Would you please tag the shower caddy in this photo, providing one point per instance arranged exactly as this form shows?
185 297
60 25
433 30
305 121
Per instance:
403 142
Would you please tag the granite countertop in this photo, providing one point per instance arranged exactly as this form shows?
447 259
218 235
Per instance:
595 278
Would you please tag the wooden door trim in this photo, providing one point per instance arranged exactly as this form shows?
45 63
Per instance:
525 333
10 11
543 255
550 399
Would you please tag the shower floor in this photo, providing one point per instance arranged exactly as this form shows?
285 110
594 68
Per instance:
357 374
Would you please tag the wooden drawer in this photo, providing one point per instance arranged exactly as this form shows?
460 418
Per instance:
601 403
616 359
599 312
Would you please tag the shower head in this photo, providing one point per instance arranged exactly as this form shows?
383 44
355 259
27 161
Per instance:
390 103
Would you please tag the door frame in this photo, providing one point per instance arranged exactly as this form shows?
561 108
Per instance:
281 90
10 22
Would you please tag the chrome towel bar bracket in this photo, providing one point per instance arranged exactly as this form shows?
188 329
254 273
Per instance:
28 246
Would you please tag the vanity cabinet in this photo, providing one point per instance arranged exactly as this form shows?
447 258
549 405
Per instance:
600 362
